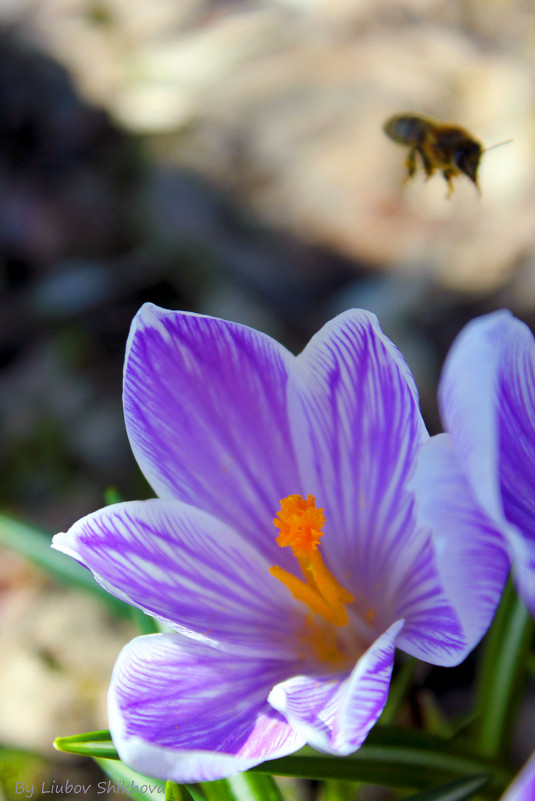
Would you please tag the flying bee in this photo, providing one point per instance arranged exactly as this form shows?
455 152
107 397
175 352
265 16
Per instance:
441 146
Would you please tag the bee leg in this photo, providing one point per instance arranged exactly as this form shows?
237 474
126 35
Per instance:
428 167
448 175
410 163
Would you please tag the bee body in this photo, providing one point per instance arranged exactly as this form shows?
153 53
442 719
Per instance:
407 129
441 146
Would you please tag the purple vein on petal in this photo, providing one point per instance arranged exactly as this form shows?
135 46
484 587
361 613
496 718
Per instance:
190 570
183 711
354 412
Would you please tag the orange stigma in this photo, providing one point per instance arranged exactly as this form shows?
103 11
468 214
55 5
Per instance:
299 524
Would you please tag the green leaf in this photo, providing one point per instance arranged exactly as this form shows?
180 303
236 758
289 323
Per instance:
460 725
145 623
98 744
501 674
460 790
173 792
219 790
130 782
391 757
394 757
334 790
35 546
182 792
95 744
243 787
255 787
194 790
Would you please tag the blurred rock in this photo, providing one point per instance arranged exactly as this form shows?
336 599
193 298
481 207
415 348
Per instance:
58 653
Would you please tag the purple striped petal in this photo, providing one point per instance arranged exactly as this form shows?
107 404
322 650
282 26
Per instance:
183 711
516 420
205 410
523 787
471 556
357 428
467 393
336 715
487 395
188 569
433 631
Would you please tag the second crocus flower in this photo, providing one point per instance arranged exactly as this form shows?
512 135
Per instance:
487 401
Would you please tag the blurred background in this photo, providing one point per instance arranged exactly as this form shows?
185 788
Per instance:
226 157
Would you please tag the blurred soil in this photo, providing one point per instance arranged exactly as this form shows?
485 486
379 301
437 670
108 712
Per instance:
228 158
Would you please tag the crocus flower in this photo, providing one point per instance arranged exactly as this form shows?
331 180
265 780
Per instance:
283 551
487 399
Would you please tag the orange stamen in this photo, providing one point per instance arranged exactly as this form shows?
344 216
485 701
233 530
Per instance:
299 523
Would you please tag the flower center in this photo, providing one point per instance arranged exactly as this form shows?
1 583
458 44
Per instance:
299 524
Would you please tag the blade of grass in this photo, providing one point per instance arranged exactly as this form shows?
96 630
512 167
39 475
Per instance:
96 744
180 792
219 790
255 787
173 792
129 781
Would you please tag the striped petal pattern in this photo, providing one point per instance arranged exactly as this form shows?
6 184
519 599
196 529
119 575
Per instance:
189 570
487 396
181 710
225 423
